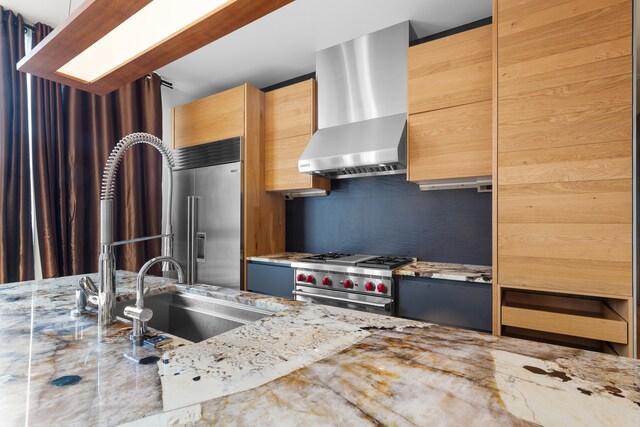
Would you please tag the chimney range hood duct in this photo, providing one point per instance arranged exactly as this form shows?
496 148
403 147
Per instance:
362 107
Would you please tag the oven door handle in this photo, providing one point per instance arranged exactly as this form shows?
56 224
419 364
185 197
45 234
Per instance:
386 306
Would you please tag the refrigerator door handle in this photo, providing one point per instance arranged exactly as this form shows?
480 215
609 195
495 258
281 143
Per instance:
201 244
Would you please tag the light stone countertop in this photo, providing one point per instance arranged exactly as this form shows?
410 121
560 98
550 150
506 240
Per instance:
305 365
285 258
446 271
424 269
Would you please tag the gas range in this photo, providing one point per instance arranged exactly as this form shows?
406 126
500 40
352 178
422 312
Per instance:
356 281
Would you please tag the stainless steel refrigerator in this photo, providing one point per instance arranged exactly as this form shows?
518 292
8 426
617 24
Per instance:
208 240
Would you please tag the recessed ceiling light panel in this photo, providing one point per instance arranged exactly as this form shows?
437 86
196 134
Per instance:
153 24
105 44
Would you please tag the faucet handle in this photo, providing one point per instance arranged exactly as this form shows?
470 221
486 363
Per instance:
140 314
88 285
89 288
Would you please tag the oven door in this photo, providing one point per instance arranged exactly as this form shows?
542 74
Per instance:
360 302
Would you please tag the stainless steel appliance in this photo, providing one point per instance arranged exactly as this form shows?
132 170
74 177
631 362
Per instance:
359 282
208 231
362 107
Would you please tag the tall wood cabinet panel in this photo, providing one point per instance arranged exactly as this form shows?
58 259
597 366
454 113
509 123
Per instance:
290 121
263 211
238 112
563 149
449 128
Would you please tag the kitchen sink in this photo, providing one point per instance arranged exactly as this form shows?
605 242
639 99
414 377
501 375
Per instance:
193 317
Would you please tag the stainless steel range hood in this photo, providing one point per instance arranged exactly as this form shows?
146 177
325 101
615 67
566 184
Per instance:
362 107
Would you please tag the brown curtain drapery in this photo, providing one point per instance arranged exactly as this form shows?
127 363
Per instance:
76 132
50 171
16 237
94 126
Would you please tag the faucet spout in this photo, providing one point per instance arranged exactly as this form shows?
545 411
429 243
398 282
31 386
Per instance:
139 313
106 262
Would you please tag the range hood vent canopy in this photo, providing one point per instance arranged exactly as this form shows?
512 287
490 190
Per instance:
362 107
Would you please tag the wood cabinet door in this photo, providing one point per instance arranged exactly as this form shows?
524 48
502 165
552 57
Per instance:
452 142
213 118
290 111
564 146
290 121
450 71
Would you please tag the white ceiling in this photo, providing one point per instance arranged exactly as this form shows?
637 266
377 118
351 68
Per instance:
282 45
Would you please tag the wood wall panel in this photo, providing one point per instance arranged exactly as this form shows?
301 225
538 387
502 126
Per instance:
600 202
517 16
496 324
564 126
564 30
601 93
568 154
575 58
454 141
588 242
567 130
451 71
213 118
605 278
568 76
595 169
263 211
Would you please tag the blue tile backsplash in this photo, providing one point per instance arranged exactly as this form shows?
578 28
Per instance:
387 215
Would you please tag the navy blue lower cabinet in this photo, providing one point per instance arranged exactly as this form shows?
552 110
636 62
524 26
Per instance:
446 302
270 279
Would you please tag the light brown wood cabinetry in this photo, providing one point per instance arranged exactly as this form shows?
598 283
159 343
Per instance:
563 160
449 129
239 112
451 142
450 71
213 118
580 317
290 120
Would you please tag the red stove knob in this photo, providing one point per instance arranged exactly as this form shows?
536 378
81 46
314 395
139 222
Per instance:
310 279
347 284
369 286
382 288
300 277
326 281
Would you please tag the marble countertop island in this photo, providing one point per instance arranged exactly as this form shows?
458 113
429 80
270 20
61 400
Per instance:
304 365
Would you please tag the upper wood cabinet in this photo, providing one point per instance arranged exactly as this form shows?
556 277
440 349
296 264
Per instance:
290 121
290 111
452 142
450 71
450 90
563 146
213 118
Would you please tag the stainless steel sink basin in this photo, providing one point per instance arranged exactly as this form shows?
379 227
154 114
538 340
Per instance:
193 317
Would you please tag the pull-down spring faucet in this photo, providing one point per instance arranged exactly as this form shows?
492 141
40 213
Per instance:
106 267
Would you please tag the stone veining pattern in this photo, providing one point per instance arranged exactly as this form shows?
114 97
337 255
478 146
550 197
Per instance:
261 352
285 258
63 371
447 271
